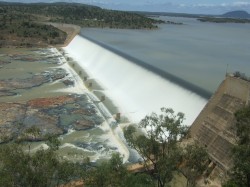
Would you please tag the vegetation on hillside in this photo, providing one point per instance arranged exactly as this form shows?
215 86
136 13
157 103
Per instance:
79 14
28 34
237 14
22 24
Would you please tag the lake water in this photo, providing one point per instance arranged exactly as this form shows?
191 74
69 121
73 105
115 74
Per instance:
200 53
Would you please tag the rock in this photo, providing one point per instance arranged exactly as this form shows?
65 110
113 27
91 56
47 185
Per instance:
4 62
33 81
11 115
57 74
6 93
50 102
83 125
69 82
46 123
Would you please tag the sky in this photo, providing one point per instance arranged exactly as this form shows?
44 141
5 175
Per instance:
179 6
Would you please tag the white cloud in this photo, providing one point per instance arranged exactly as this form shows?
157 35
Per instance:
241 4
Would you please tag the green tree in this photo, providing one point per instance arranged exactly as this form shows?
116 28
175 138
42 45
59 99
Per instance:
29 134
32 133
113 173
139 180
159 146
194 163
108 173
53 142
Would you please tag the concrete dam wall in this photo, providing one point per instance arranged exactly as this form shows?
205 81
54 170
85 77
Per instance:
214 128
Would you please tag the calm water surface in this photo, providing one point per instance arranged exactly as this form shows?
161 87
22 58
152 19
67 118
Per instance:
196 52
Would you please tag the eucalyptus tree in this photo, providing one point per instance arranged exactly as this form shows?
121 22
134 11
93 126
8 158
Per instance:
194 163
159 145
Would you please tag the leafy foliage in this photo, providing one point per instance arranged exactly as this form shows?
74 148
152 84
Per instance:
114 173
195 163
161 151
53 142
41 169
158 147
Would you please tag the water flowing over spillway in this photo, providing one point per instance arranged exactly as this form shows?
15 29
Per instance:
135 90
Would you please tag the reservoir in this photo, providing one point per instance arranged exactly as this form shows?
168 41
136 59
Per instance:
197 52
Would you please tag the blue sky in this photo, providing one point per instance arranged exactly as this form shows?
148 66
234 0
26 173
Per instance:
182 6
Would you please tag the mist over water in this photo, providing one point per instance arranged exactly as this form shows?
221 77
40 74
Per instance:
135 90
196 52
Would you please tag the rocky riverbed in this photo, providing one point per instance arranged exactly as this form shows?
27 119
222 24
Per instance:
10 87
29 101
43 92
55 116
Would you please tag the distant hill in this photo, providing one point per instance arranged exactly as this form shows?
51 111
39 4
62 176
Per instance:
237 14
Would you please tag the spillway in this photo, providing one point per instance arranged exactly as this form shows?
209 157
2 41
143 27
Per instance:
135 90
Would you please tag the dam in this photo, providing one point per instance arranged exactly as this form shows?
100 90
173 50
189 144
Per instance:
135 90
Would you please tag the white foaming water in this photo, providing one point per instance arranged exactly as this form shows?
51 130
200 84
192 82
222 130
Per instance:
110 138
115 137
136 91
74 146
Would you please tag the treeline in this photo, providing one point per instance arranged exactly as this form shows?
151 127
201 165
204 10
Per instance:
223 20
79 14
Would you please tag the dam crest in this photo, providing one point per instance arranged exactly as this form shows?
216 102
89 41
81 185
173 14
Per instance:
135 90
